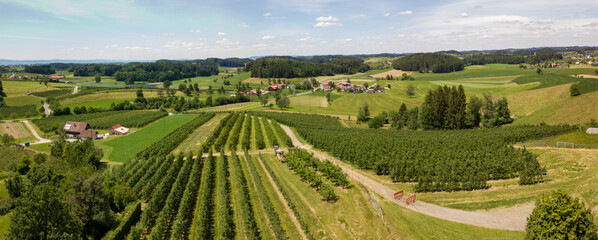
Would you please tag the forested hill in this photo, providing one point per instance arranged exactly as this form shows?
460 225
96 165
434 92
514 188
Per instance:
429 62
151 72
287 68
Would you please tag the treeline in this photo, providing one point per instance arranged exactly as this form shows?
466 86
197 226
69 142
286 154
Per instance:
40 69
489 58
285 68
429 62
226 62
444 108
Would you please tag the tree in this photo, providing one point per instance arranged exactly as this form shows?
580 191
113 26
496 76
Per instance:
139 93
573 90
263 99
328 98
166 84
7 139
14 186
2 103
42 213
90 204
412 124
98 78
364 112
283 102
473 111
426 117
503 114
160 92
1 88
539 71
560 216
410 91
378 121
488 112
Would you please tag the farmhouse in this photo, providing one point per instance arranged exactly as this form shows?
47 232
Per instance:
275 87
375 88
79 130
327 86
118 130
344 86
592 131
56 78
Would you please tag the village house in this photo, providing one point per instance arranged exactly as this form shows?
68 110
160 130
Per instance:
327 86
118 130
276 87
344 86
79 130
56 78
375 88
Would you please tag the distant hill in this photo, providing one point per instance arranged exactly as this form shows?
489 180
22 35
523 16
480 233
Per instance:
29 62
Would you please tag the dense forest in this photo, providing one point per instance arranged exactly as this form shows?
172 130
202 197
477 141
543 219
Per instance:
429 62
489 58
162 71
40 69
286 68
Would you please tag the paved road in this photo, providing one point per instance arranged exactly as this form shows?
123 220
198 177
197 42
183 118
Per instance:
481 219
75 90
40 139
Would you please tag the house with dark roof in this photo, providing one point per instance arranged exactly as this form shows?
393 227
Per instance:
79 130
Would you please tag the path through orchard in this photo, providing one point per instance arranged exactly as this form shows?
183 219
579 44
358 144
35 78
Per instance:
481 219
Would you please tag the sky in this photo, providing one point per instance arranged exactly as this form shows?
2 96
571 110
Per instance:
194 29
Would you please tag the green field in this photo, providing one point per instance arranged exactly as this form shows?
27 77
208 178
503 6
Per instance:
124 148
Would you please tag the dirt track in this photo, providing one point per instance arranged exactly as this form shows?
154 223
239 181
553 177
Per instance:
481 219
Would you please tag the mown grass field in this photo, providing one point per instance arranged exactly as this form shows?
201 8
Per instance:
123 148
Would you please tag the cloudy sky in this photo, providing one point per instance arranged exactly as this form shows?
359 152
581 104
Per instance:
191 29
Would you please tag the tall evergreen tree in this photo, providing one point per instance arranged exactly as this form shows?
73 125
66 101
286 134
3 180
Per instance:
426 117
473 111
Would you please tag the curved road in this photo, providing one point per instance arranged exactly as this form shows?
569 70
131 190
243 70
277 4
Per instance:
481 219
40 139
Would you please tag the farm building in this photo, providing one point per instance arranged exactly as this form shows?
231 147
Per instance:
118 130
375 88
592 131
275 87
79 130
56 78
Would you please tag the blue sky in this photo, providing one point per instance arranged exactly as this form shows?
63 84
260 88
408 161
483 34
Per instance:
190 29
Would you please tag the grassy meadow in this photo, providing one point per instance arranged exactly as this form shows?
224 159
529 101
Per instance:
123 148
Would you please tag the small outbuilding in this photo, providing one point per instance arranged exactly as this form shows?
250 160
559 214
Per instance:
592 131
118 130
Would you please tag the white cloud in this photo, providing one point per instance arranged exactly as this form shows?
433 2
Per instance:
243 25
226 41
304 39
196 31
386 14
168 34
111 46
464 14
136 48
406 12
346 40
363 15
327 19
268 14
328 24
178 44
221 34
267 37
323 42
